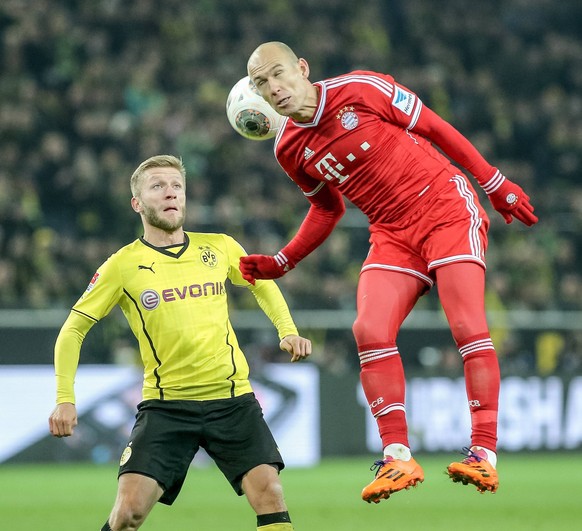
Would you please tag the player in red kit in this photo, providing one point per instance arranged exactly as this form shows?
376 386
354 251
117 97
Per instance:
364 136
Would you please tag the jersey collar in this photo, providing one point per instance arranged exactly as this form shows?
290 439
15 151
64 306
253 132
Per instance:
319 109
168 249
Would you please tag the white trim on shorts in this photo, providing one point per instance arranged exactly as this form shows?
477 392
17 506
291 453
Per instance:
405 270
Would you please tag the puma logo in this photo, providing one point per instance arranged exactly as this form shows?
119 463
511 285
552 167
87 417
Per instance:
151 268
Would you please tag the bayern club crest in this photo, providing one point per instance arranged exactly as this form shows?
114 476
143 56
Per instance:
348 118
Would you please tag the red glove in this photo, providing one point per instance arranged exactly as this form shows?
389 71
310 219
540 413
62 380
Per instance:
512 202
256 266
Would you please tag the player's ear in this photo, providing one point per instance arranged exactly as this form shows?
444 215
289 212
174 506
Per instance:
304 68
136 204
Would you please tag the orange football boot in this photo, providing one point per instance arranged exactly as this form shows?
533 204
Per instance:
476 470
392 475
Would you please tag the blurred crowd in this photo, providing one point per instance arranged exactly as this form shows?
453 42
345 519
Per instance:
90 89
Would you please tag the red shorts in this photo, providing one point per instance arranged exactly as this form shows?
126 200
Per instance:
452 228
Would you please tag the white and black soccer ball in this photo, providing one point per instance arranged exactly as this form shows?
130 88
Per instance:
249 114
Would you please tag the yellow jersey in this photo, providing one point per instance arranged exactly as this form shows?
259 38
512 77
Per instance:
175 301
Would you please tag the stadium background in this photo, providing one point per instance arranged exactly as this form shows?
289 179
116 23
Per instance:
90 89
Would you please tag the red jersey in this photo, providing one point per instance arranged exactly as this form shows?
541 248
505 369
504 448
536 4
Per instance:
362 141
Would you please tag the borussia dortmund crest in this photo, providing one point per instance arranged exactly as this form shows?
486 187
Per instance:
208 257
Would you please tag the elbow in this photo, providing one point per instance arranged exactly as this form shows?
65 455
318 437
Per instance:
337 213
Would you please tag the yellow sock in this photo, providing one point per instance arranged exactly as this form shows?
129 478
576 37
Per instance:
286 526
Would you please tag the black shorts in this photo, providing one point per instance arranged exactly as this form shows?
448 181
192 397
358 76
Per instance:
168 433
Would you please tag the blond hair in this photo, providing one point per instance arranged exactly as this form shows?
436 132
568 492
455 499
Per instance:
157 161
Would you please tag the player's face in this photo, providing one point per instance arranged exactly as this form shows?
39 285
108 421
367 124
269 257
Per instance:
283 82
162 200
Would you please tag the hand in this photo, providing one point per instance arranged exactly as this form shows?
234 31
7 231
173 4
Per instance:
512 202
63 420
256 266
297 346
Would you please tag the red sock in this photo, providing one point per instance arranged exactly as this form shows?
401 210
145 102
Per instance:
384 384
482 381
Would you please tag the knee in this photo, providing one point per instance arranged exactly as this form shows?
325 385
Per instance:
126 518
362 331
461 329
273 492
367 332
264 490
458 329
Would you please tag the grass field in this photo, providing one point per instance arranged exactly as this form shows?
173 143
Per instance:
537 492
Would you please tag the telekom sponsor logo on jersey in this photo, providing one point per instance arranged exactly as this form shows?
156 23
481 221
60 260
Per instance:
150 299
331 168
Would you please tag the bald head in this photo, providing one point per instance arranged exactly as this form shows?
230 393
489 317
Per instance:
282 79
271 49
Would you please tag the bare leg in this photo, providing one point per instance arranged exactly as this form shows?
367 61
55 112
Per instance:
262 487
136 496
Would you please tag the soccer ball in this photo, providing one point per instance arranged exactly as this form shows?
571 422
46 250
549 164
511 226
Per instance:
249 114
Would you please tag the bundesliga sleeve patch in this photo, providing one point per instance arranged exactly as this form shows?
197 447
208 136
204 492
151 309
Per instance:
403 100
93 282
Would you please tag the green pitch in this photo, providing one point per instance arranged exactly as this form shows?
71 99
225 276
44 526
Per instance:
537 492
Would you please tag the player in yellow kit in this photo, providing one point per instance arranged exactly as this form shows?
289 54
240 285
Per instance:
170 284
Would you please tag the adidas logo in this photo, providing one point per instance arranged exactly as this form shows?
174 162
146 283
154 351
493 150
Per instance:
308 153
